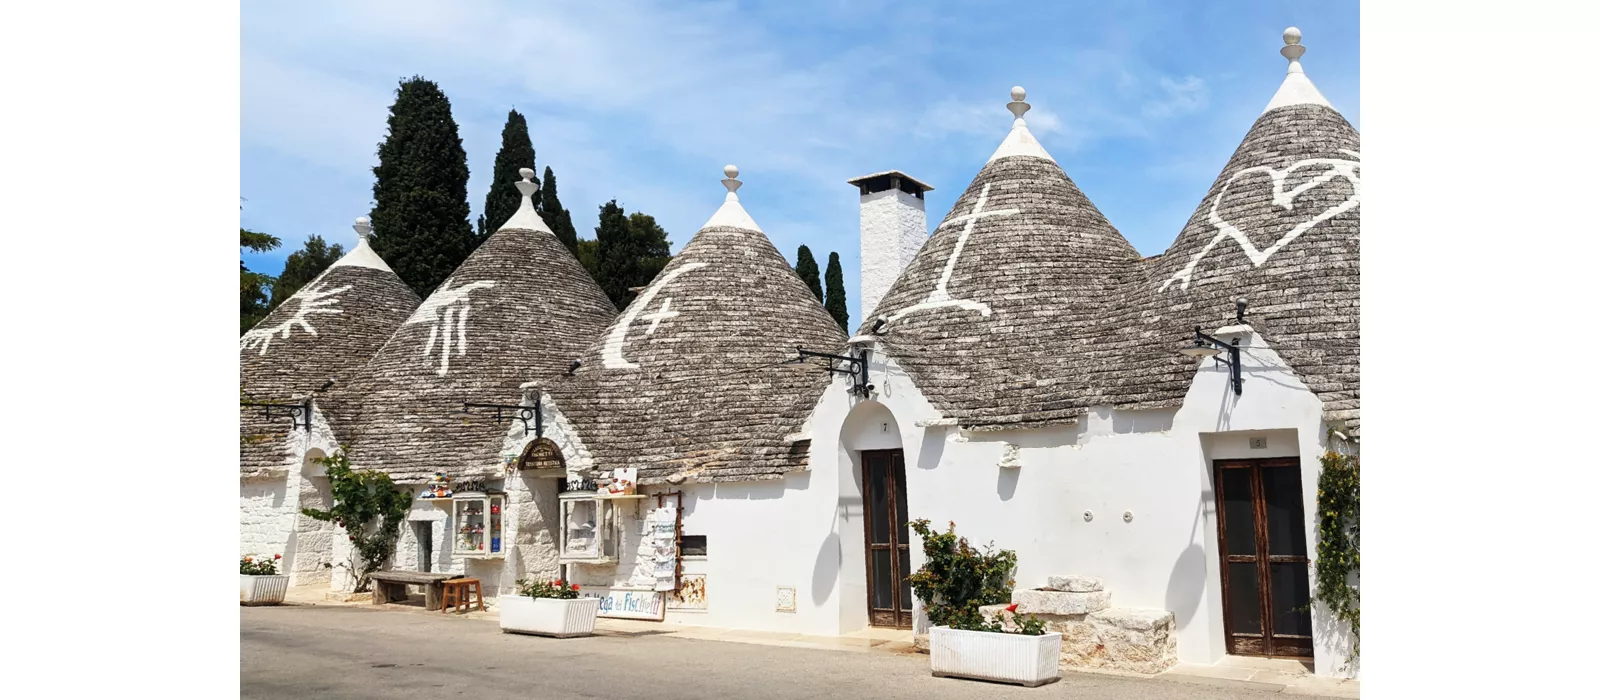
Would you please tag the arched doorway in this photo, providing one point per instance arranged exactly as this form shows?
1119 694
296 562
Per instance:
872 437
310 560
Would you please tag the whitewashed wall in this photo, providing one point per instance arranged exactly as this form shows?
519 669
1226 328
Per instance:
1152 464
269 507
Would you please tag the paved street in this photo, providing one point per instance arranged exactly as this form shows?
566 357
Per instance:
347 652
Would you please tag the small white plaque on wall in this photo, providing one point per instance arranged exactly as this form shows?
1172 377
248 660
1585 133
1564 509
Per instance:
785 598
1258 443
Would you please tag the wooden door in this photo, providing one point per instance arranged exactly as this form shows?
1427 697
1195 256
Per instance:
1266 590
888 538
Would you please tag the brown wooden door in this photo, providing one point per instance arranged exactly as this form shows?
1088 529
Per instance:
888 539
1266 591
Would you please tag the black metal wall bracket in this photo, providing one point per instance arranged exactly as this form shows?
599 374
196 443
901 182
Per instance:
857 367
533 413
299 413
1235 371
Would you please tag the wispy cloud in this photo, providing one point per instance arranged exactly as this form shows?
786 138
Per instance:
645 100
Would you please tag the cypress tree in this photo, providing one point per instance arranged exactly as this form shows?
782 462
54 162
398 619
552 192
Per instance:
516 152
420 192
806 267
555 216
302 266
835 304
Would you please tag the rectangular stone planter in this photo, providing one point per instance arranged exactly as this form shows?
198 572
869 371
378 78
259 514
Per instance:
262 590
550 617
1026 660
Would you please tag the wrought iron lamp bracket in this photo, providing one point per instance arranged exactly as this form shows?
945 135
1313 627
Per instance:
855 366
518 412
1235 370
299 413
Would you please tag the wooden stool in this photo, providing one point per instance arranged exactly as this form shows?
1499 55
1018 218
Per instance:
458 594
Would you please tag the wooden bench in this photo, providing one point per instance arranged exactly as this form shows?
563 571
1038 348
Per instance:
391 586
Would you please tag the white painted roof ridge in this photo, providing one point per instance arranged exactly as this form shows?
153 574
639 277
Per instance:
731 213
362 255
525 217
1297 88
1020 142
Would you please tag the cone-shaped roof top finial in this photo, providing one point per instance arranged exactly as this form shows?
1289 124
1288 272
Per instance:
1297 88
1020 142
525 217
731 213
363 229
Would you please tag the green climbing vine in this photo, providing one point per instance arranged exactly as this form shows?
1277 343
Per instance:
1339 540
369 507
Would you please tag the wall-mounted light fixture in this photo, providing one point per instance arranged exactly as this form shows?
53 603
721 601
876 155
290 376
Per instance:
1208 346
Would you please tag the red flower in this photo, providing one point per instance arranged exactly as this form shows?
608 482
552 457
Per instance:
558 582
277 556
248 559
574 586
1011 608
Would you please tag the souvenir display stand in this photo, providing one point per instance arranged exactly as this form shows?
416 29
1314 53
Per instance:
479 524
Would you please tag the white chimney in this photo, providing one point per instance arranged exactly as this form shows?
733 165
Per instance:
894 225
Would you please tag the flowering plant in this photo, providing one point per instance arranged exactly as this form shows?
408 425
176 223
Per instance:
250 566
547 589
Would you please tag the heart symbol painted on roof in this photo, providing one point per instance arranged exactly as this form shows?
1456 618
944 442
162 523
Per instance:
1331 168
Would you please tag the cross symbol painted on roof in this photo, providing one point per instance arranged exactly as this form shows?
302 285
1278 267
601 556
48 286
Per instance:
661 314
940 296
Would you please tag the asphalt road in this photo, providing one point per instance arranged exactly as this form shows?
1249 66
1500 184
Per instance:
319 652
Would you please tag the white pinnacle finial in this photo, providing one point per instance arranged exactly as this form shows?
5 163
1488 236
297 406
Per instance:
1017 106
1292 49
731 181
1297 88
732 214
363 228
527 185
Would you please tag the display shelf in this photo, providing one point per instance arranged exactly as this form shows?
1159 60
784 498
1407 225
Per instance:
478 525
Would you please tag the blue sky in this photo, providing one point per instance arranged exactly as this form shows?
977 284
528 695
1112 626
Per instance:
644 102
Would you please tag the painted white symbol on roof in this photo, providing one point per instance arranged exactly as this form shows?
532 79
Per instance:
446 311
940 296
611 352
318 300
1337 167
662 313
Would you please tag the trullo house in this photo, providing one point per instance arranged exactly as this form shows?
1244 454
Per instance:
300 360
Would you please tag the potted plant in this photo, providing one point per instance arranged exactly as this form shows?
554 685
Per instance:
549 608
259 581
955 581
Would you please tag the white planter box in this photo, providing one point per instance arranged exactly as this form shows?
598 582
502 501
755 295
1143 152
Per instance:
262 590
993 656
551 617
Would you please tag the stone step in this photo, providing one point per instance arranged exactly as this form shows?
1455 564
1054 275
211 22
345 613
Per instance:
1041 602
1075 584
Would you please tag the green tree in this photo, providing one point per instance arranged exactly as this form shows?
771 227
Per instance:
555 216
420 191
806 267
253 285
301 267
835 303
629 251
516 153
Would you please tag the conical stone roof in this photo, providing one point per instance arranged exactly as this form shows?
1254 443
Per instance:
325 331
991 318
520 306
1280 227
691 380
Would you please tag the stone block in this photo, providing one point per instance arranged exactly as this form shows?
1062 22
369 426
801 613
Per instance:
1075 584
1040 602
1134 618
